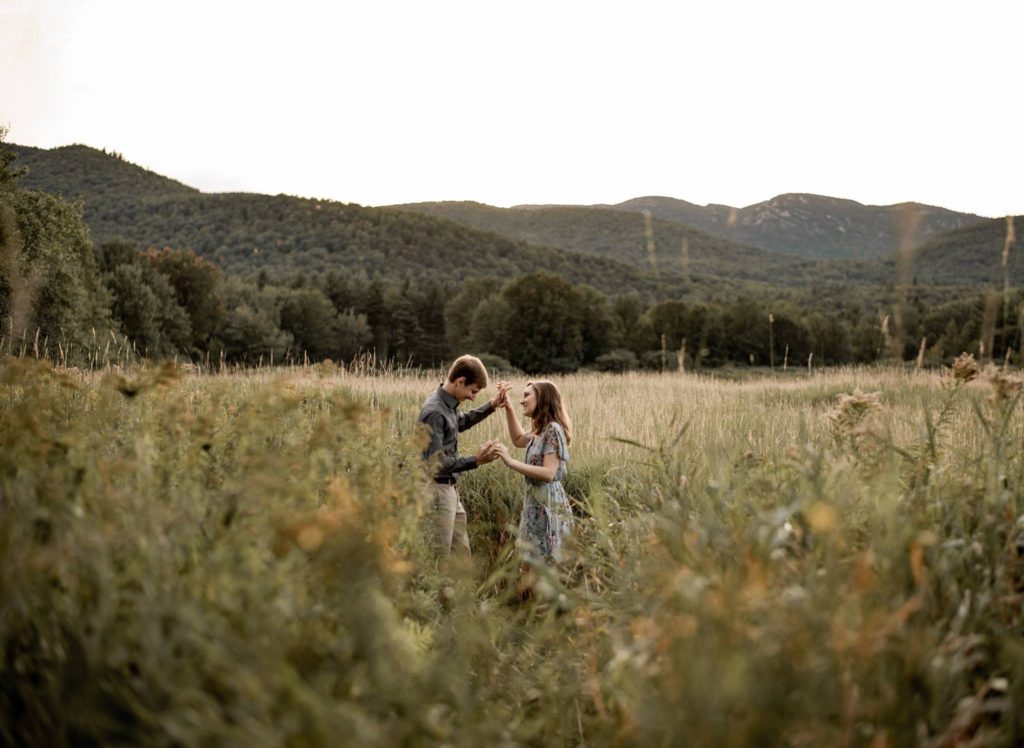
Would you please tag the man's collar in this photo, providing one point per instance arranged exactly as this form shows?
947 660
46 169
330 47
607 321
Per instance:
447 397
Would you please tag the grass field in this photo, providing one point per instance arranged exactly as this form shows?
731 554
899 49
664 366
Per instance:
221 559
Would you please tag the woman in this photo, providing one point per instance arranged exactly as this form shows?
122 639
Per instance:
547 517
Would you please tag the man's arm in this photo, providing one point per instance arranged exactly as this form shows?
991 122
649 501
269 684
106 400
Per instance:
473 417
451 464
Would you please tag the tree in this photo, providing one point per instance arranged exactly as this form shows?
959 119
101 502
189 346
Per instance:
196 283
250 334
146 311
48 274
548 329
599 329
704 333
404 333
867 339
791 334
9 174
378 317
353 335
492 325
746 332
252 328
668 319
632 328
432 347
311 319
460 310
831 336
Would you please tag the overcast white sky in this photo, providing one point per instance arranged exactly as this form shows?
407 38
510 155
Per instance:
385 101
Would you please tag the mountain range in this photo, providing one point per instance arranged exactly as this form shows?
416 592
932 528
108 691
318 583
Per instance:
808 244
812 225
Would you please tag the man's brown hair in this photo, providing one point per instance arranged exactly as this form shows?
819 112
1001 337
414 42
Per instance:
471 368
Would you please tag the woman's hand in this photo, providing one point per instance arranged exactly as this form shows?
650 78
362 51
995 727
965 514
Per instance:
500 400
502 451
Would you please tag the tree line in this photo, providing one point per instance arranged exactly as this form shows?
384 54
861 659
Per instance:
60 292
174 303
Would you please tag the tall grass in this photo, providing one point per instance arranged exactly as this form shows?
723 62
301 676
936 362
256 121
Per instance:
218 559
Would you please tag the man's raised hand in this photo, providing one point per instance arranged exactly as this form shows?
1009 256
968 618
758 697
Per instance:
500 400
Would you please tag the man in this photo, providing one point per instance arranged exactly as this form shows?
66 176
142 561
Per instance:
466 378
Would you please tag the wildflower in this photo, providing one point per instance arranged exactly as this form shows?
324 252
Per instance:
821 517
309 538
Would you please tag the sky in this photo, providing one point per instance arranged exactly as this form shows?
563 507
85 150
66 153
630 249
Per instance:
380 102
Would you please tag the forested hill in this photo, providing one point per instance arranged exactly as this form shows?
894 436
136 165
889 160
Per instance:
609 249
960 257
282 235
812 225
81 172
629 237
328 280
973 251
248 233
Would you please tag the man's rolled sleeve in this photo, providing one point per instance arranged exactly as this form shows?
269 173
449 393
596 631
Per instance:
473 417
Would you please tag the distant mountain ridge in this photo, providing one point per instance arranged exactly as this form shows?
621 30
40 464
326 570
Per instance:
812 225
974 251
626 237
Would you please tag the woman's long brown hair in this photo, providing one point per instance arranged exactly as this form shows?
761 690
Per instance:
549 408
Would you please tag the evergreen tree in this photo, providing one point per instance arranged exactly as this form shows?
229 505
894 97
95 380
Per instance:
377 315
430 311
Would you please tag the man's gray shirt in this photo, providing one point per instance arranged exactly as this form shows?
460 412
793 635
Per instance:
440 412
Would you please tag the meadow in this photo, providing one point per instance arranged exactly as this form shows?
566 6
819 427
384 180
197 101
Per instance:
217 559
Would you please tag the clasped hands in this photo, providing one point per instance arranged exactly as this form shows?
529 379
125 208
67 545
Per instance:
491 451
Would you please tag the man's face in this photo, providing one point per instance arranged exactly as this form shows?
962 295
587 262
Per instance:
465 391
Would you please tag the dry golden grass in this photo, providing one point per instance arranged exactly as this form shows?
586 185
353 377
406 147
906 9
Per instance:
237 558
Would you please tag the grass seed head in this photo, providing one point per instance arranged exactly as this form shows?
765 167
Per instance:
965 368
1004 386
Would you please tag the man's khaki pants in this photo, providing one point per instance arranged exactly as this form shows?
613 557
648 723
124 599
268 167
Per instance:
450 518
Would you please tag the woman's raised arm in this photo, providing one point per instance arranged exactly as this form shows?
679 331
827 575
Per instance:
515 429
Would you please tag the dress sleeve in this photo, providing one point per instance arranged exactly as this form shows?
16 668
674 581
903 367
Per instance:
553 440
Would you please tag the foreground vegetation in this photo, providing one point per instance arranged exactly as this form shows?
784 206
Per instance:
210 560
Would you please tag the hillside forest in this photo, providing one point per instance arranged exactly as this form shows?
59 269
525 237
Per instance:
90 274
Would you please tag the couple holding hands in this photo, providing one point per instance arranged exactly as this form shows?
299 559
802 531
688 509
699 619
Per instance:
547 518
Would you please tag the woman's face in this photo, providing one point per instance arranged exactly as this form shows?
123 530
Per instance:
529 402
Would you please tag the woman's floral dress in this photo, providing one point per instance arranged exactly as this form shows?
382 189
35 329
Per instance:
547 516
